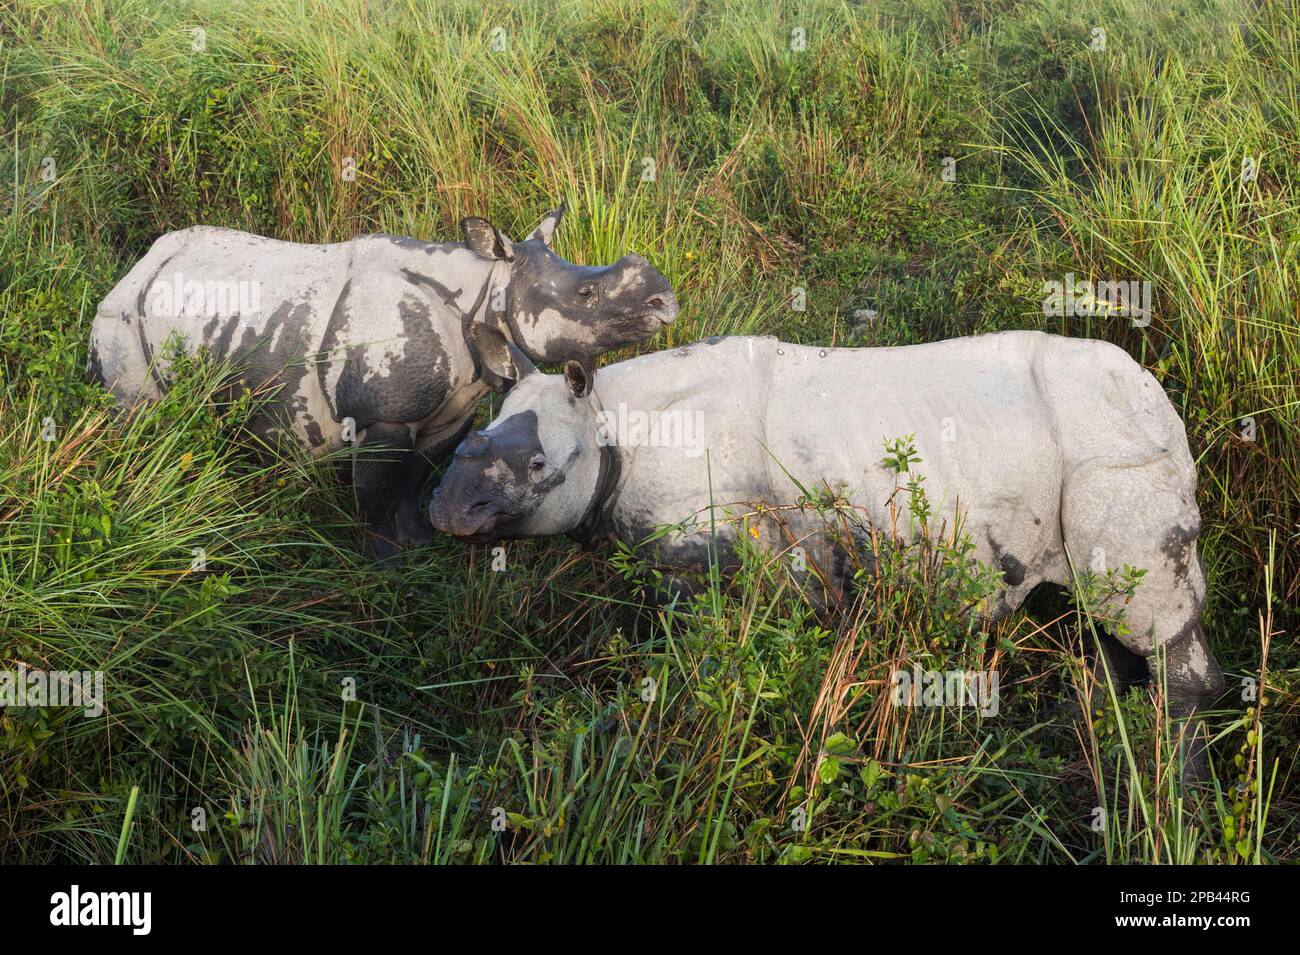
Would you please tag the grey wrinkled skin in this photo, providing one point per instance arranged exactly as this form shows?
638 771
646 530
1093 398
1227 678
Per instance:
1059 452
398 335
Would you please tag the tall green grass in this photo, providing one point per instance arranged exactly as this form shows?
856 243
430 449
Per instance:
315 708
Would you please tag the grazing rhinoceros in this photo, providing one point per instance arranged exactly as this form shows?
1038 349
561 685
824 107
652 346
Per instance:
1059 452
383 342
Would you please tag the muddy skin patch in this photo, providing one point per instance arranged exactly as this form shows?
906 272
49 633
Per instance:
1177 544
314 433
221 347
1194 676
541 280
842 570
143 298
688 553
514 443
613 315
450 299
1013 569
276 356
340 320
808 455
94 368
418 372
154 372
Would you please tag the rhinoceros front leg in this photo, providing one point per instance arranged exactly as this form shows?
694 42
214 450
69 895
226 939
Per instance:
382 467
1194 682
1146 516
410 519
389 473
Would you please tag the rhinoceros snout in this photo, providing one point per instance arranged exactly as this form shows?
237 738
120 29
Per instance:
662 306
475 520
458 521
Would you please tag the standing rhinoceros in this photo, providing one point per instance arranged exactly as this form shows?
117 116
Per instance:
1060 453
383 342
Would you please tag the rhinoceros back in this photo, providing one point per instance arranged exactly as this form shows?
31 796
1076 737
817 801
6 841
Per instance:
260 303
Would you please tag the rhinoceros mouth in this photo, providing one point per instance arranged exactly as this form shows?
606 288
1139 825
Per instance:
490 528
483 533
661 308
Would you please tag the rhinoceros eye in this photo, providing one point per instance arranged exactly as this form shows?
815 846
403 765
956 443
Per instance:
537 463
585 291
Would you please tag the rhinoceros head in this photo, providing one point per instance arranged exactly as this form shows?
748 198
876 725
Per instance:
556 310
533 471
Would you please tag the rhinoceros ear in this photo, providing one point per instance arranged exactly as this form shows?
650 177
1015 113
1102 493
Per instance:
580 375
546 228
504 365
485 240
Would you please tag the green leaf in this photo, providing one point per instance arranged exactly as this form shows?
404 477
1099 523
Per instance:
870 773
840 745
829 770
